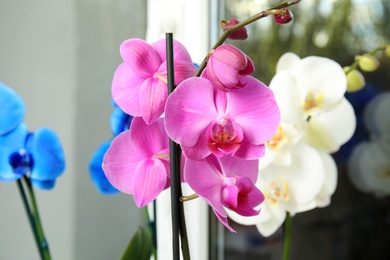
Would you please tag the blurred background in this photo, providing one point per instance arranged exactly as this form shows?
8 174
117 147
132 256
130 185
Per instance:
356 225
60 56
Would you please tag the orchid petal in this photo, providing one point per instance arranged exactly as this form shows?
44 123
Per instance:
287 97
206 181
232 166
120 162
249 151
44 184
12 109
150 179
189 110
148 139
287 61
304 176
119 121
329 130
254 108
125 90
377 116
199 150
324 75
49 159
96 172
330 181
180 52
153 94
140 57
246 204
182 70
224 221
10 143
369 166
276 218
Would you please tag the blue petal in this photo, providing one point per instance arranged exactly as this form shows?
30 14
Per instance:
96 172
12 109
46 150
44 185
10 143
120 121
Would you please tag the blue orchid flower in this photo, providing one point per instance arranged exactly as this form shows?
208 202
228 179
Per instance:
119 121
96 171
12 109
38 155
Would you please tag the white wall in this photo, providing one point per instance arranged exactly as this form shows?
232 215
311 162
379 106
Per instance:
60 57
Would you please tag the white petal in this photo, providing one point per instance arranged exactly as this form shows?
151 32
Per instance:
287 61
331 129
369 167
319 74
330 182
304 176
377 116
287 96
276 218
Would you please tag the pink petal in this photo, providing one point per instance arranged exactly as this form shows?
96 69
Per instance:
230 55
246 204
189 110
153 94
125 89
224 221
250 151
233 166
182 69
140 57
179 51
148 139
205 179
230 196
254 108
120 162
150 179
199 150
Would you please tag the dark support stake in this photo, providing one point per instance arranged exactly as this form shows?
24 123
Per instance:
174 159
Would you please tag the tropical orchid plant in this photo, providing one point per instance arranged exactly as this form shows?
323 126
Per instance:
32 159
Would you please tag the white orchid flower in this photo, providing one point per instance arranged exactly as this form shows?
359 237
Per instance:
369 165
310 96
291 188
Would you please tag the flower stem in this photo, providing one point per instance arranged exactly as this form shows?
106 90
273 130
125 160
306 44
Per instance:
287 236
29 213
238 26
31 208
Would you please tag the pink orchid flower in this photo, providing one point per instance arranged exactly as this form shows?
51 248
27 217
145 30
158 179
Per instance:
225 182
228 67
204 120
139 86
137 161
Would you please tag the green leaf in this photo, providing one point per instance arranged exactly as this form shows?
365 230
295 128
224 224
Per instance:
140 246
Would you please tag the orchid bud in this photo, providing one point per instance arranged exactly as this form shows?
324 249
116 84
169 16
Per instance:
387 50
367 62
283 18
240 34
355 80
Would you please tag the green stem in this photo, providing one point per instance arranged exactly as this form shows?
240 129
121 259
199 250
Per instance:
41 241
152 229
30 216
287 236
238 26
